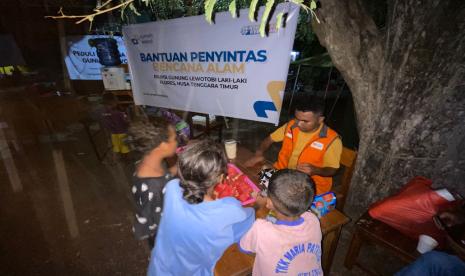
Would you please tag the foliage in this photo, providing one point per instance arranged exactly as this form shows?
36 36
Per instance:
140 11
210 6
232 8
305 40
266 13
165 9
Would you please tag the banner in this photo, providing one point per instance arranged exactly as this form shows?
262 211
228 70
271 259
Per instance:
82 61
225 68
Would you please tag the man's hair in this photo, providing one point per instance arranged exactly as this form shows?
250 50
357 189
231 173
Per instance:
306 103
108 98
291 192
200 167
144 136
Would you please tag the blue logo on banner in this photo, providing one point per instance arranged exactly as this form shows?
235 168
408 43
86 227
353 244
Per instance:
261 106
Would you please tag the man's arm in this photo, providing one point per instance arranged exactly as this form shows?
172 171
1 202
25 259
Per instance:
312 170
258 157
330 164
264 146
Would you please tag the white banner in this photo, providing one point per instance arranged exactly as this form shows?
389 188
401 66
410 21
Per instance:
82 61
225 68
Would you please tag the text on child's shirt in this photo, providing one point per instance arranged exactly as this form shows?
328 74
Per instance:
310 248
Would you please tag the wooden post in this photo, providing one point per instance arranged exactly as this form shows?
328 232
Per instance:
64 52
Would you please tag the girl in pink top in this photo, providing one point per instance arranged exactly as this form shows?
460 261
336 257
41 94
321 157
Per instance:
292 243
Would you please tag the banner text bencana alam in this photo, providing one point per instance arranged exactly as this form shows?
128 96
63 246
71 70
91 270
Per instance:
192 61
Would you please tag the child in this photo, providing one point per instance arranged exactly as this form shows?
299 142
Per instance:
292 244
195 228
182 128
157 141
116 122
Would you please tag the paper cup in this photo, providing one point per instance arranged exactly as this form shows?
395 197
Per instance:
426 244
231 148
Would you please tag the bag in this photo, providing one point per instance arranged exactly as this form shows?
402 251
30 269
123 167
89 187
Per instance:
411 211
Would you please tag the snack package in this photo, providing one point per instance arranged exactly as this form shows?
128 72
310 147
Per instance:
264 176
323 204
237 185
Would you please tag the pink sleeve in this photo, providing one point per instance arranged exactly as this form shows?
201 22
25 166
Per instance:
248 242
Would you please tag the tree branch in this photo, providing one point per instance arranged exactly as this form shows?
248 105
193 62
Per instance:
90 17
103 5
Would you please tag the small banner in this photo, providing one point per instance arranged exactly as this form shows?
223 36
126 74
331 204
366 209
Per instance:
82 61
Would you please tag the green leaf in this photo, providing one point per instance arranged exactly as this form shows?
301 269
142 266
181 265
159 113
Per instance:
266 14
279 20
209 5
123 8
232 8
301 4
133 9
252 8
205 4
314 16
313 5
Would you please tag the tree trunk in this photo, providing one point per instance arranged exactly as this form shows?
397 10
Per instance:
408 85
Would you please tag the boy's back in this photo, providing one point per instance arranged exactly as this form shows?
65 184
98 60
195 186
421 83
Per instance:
285 247
292 244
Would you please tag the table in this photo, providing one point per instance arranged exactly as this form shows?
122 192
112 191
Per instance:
233 262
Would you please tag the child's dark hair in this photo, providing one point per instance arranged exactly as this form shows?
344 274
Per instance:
291 192
108 98
144 136
200 167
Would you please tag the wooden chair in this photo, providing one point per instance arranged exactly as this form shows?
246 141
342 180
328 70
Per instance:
369 230
348 158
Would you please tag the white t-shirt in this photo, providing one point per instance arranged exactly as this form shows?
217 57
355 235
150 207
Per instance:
284 247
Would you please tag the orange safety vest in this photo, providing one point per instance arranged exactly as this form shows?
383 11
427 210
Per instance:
313 152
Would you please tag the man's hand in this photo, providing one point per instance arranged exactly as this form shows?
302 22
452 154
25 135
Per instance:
254 161
313 170
306 168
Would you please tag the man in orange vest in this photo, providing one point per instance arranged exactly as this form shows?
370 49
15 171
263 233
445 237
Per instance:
308 145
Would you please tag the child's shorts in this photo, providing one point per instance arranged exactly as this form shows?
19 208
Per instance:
117 141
